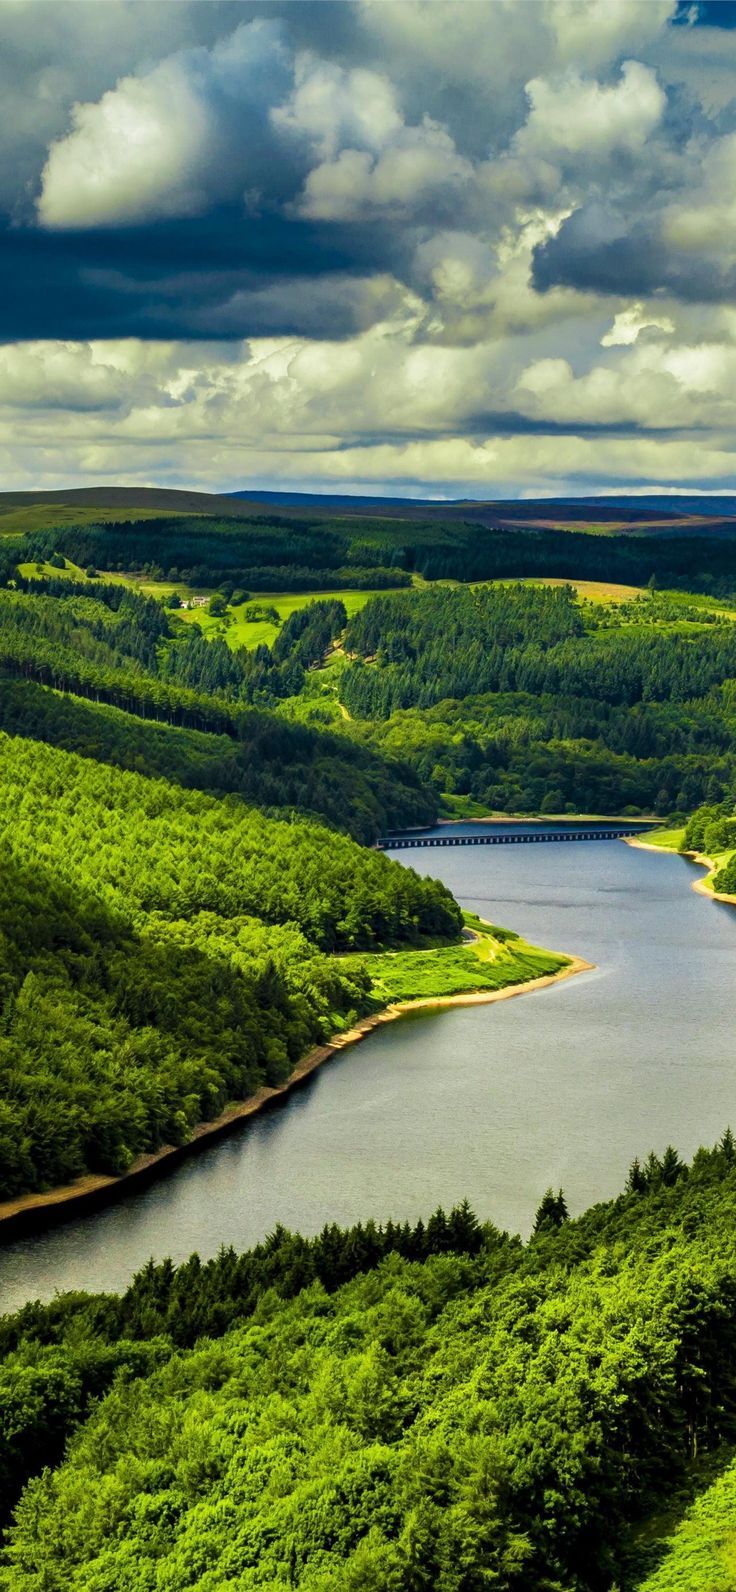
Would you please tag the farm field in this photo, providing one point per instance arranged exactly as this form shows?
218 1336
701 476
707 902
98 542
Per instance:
238 631
596 591
235 629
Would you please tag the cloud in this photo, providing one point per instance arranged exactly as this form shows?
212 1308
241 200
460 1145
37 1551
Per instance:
141 151
419 167
574 116
172 141
704 220
333 107
630 322
368 162
490 244
591 33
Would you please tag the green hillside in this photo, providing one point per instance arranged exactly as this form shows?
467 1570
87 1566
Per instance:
164 952
396 1408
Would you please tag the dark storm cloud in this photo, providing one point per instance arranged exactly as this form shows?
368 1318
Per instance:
246 263
479 428
597 252
225 278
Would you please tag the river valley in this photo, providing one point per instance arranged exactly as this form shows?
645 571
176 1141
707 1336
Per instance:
562 1086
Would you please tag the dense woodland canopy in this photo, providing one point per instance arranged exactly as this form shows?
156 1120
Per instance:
525 701
522 699
436 1407
114 646
280 765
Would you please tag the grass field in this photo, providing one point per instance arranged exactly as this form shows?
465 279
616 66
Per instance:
495 959
240 632
152 588
667 839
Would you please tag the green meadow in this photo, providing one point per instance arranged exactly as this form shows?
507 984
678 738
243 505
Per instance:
492 960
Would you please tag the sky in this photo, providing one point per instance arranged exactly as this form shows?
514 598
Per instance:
431 248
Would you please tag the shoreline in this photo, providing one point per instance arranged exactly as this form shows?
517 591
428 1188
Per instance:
549 818
701 886
33 1213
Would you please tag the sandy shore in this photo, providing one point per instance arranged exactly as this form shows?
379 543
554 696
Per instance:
34 1212
702 886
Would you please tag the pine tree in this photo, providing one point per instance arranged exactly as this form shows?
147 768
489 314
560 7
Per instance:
464 1230
672 1166
437 1233
636 1183
551 1213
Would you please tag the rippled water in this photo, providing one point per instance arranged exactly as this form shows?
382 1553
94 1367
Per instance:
562 1086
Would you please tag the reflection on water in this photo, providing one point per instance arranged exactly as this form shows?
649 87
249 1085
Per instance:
562 1086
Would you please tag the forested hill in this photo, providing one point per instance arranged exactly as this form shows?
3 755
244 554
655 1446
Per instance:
527 699
163 952
386 1410
116 647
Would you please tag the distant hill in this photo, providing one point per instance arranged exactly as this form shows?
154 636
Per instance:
716 506
653 515
344 500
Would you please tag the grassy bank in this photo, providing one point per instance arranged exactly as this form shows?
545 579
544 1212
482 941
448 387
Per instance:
494 959
664 839
672 840
715 864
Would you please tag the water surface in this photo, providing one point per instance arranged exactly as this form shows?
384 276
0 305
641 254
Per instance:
562 1086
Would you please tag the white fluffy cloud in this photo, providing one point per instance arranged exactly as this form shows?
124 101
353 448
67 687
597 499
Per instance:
168 142
141 151
333 107
367 160
590 33
378 410
630 322
414 169
575 116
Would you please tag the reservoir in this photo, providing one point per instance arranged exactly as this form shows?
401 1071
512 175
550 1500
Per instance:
561 1087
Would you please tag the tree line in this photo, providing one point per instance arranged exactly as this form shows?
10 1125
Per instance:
276 553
